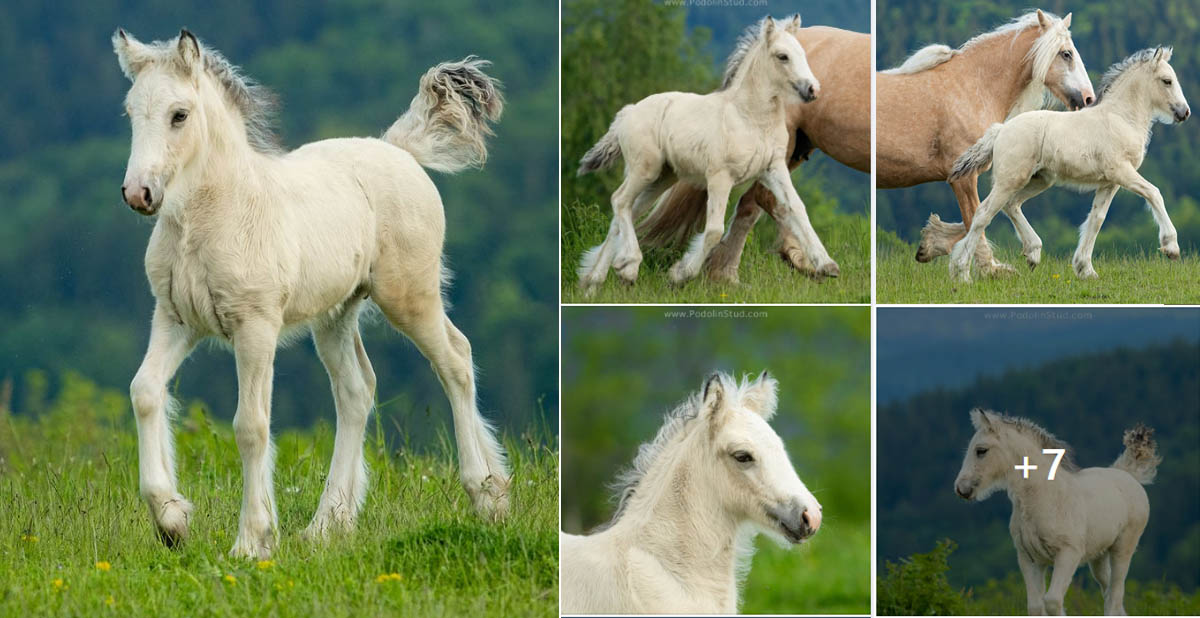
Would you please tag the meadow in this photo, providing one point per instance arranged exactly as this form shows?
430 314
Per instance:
763 277
1125 278
76 538
831 575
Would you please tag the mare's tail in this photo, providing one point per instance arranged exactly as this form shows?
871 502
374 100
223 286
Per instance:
605 152
447 124
676 218
978 156
1140 458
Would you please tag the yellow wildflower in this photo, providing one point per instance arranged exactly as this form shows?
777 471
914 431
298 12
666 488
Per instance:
1054 276
231 580
103 565
110 601
265 564
388 577
58 583
29 538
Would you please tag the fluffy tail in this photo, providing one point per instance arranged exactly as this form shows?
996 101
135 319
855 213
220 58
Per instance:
676 218
978 156
1140 458
447 124
605 152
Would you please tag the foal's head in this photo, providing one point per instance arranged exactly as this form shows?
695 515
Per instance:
750 471
771 48
999 443
1058 64
184 99
1149 72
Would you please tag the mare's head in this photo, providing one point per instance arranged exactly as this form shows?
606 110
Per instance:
772 49
184 100
999 443
751 473
1149 72
1058 65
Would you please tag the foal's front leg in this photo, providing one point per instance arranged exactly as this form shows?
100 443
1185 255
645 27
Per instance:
1168 238
790 213
1065 564
1091 228
254 343
719 185
1035 583
170 344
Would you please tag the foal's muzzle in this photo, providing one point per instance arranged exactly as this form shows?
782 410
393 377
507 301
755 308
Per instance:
807 90
140 198
964 492
795 521
1182 112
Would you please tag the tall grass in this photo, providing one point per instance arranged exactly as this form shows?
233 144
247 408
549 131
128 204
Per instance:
76 539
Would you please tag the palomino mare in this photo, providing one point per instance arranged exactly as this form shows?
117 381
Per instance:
253 243
928 111
726 138
838 124
1094 515
1098 148
682 537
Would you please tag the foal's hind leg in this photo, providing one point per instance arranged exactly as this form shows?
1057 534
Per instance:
417 311
1102 573
340 348
966 190
965 249
689 265
1031 244
170 344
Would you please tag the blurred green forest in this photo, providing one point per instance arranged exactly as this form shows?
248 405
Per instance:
618 52
1088 400
1104 32
73 293
623 369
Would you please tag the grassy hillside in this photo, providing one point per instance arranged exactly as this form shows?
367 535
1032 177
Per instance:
76 539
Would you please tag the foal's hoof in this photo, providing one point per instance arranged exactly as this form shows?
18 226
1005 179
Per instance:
171 519
253 546
679 274
727 274
490 497
1171 251
829 269
794 257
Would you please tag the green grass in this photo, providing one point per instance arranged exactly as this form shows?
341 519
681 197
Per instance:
1006 597
764 277
830 574
68 486
1132 279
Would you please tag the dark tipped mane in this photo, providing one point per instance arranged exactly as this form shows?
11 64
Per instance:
1044 438
746 41
1118 70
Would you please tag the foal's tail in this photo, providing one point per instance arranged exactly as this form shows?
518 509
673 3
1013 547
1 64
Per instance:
1140 458
605 152
447 124
978 156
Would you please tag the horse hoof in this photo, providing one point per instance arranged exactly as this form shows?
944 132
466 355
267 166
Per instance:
829 269
795 258
252 546
171 520
999 269
724 275
490 498
1171 252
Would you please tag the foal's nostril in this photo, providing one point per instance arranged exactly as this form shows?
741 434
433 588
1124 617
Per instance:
146 198
1087 101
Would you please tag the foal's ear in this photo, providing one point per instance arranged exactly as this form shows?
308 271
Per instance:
1162 54
980 419
713 399
132 54
762 396
768 26
794 24
189 49
1066 22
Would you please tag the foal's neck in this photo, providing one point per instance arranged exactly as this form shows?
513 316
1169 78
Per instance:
752 94
1127 99
1027 492
684 528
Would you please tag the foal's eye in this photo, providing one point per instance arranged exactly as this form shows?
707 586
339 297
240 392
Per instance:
1067 55
981 451
782 57
742 457
1166 82
178 117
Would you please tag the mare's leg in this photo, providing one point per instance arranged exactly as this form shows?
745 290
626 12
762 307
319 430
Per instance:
1065 564
1035 583
1087 233
339 345
254 342
170 344
1102 572
938 237
723 262
790 213
689 265
1031 244
416 309
1168 239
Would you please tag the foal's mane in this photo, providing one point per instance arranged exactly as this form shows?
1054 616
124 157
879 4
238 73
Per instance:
676 423
1043 438
255 103
750 37
1122 68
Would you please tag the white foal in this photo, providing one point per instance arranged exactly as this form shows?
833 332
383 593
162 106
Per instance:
252 242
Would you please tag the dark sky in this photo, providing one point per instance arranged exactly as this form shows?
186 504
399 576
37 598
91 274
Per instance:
923 348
